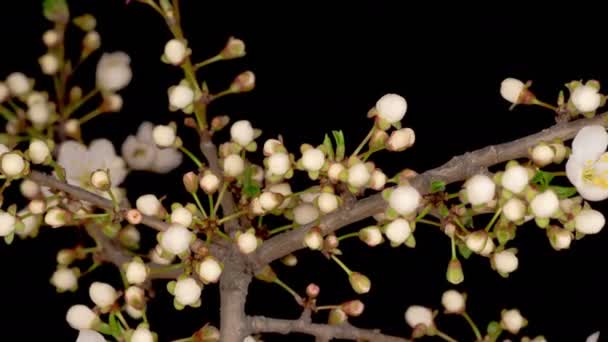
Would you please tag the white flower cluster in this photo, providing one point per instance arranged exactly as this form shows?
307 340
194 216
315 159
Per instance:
141 151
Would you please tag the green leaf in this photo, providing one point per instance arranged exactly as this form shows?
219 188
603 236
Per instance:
464 250
330 149
114 325
542 179
437 186
563 191
56 10
340 146
250 187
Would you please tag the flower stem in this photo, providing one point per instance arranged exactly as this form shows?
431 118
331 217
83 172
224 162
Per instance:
326 307
7 114
452 196
491 223
346 269
91 269
219 197
231 216
208 61
191 156
545 105
91 115
473 326
346 236
223 235
288 289
423 213
280 229
444 336
160 270
457 221
113 198
559 173
369 153
365 140
185 339
198 204
453 243
89 216
211 206
122 319
70 109
433 223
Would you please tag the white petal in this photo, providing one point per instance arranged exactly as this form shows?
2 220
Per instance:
592 192
71 155
574 171
101 152
593 337
166 160
144 132
118 171
90 336
138 155
590 142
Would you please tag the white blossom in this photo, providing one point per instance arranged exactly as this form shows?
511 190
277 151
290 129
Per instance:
398 231
305 213
586 98
391 108
81 317
313 159
589 221
234 165
113 71
358 175
512 321
587 166
187 291
453 301
181 96
242 132
182 216
136 272
164 135
511 89
210 270
102 294
176 239
175 51
545 204
405 199
515 179
141 152
419 315
480 189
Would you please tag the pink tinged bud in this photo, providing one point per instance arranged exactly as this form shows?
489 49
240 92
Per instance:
337 317
372 236
209 182
454 273
353 308
234 48
190 181
208 333
331 242
401 139
312 290
313 239
134 216
359 282
219 122
334 172
378 180
243 83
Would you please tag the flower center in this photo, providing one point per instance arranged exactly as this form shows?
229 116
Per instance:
594 176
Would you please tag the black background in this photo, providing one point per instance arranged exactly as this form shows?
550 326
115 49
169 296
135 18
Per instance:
320 68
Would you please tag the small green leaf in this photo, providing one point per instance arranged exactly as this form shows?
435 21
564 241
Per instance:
105 329
542 179
563 191
437 186
340 146
114 325
443 210
328 145
464 250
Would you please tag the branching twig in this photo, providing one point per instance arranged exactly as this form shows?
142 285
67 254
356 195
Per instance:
323 332
457 169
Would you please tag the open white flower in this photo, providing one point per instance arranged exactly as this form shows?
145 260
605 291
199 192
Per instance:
141 152
587 166
113 71
79 161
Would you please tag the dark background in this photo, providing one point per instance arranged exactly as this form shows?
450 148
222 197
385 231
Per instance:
319 69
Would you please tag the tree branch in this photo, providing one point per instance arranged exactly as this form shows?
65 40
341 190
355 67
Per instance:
323 332
457 169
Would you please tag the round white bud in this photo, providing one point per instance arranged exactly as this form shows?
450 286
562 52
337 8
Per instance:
477 241
176 239
181 96
358 175
88 335
134 312
453 301
113 71
270 146
100 179
175 51
511 89
589 221
278 163
72 127
64 279
334 171
112 102
270 200
512 321
480 189
209 182
39 113
164 136
586 98
416 315
542 155
515 179
148 205
49 63
372 236
36 207
562 239
38 151
7 223
50 38
247 242
136 272
327 202
56 217
12 164
391 108
401 139
181 216
102 294
305 213
545 204
505 261
404 199
142 334
313 159
187 291
91 41
18 84
81 317
233 165
242 132
398 231
210 270
313 239
514 209
29 189
378 180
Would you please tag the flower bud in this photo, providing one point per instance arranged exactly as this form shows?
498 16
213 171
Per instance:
401 139
378 180
187 291
336 316
234 48
148 205
391 108
243 83
545 204
135 297
242 133
181 216
66 256
542 155
334 172
278 164
514 209
38 151
353 308
209 182
102 294
477 240
313 239
210 270
72 128
12 164
142 334
81 317
136 272
100 180
180 96
515 179
50 38
560 152
589 221
113 71
305 213
417 315
65 279
270 200
7 223
208 333
176 239
371 235
18 84
289 260
49 63
358 175
247 242
359 282
404 199
586 98
56 217
91 42
190 180
559 238
505 262
454 273
175 51
480 189
514 91
39 114
219 122
327 202
233 165
398 231
312 290
134 216
164 135
512 321
453 302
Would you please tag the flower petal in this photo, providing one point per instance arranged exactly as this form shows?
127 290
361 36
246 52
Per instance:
118 171
144 132
86 335
592 192
167 159
71 155
590 142
101 153
593 337
574 170
138 155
